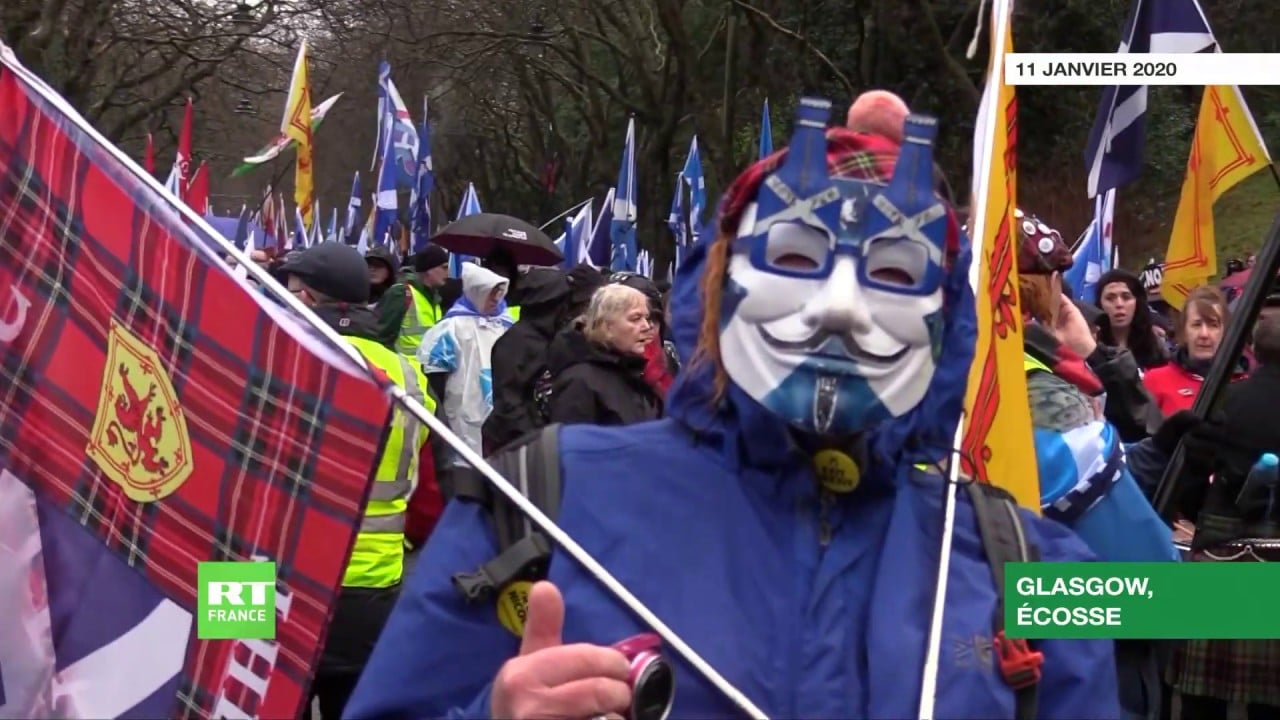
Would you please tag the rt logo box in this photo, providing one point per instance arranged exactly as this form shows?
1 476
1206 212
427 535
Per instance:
237 601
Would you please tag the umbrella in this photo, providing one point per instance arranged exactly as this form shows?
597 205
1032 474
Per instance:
481 233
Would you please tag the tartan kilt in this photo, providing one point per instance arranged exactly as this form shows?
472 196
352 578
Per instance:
1238 671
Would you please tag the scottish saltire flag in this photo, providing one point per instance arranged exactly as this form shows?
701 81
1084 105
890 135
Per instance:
354 215
397 137
622 229
600 246
420 201
576 236
157 413
470 206
676 220
1092 255
692 174
1114 155
766 132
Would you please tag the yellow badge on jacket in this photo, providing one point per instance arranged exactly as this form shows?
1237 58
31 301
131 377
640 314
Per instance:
513 606
836 471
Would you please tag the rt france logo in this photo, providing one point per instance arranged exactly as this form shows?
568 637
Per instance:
237 601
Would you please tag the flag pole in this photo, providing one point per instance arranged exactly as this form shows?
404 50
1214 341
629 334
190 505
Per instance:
570 211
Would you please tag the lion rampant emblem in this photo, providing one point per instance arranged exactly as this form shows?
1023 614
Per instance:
139 437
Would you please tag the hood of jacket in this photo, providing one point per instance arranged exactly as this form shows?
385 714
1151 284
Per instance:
383 254
755 437
477 283
353 320
543 298
570 347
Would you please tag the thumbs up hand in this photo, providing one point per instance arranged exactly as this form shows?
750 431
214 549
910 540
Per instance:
549 679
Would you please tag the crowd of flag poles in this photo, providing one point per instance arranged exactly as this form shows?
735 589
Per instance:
603 236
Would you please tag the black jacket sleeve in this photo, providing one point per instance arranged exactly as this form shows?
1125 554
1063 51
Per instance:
1129 406
573 401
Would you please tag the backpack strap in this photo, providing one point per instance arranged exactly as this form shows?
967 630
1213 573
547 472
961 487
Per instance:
1004 540
532 464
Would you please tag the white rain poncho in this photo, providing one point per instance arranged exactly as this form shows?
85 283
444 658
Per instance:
460 345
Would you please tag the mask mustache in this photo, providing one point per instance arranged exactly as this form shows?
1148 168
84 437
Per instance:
821 339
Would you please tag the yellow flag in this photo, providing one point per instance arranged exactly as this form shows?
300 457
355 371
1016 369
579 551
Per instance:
1226 150
296 124
998 443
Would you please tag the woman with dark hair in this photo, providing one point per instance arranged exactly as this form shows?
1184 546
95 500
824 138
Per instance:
1128 318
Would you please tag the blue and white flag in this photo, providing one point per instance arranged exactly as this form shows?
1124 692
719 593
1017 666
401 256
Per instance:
397 137
1092 255
355 218
600 244
622 228
470 206
676 220
766 132
577 238
420 201
1115 152
692 174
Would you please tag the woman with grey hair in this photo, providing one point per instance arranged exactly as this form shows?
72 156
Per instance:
597 364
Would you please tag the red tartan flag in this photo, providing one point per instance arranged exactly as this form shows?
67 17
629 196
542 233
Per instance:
155 413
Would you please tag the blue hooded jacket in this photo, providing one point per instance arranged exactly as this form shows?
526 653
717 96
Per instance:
711 516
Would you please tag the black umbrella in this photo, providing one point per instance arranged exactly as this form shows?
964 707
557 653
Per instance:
481 233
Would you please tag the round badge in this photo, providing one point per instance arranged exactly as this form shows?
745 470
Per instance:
1046 245
1028 227
836 471
513 606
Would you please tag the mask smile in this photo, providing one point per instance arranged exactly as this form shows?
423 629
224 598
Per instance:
820 343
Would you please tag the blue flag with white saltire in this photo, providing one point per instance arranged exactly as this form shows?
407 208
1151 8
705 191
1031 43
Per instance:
1092 256
692 174
766 132
420 201
470 206
397 137
676 220
577 233
622 228
600 244
1114 155
355 218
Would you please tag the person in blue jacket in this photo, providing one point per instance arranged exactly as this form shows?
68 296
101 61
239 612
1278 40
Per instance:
828 324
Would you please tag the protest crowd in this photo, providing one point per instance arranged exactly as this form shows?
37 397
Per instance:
759 443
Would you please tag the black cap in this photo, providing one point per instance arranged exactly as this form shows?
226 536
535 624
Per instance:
334 269
431 257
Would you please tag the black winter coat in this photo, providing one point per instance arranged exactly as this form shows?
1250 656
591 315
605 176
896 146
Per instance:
592 385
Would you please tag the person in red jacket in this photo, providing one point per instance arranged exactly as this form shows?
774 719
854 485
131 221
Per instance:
1204 318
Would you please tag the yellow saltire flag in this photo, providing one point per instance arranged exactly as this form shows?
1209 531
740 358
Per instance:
296 124
998 444
1227 149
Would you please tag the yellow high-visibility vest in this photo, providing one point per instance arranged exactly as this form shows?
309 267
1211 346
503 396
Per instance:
418 318
377 560
1031 364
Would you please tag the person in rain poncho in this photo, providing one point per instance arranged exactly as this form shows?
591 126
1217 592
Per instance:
457 350
819 337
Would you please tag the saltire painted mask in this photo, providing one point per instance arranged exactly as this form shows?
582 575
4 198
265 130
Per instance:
832 316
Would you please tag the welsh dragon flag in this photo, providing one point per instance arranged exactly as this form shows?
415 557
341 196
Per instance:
283 142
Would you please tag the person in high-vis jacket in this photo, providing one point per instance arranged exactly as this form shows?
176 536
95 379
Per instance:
331 279
422 292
